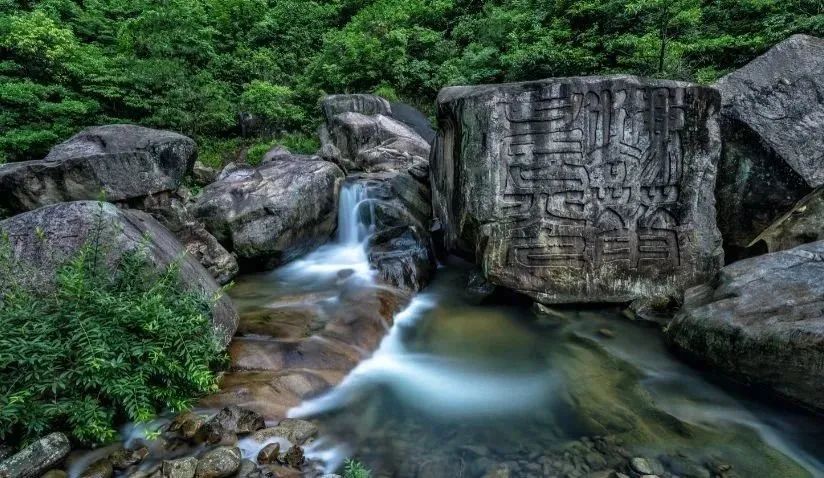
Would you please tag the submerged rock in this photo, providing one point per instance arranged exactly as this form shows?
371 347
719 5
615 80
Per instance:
292 429
32 461
773 127
42 240
122 162
761 321
274 213
581 189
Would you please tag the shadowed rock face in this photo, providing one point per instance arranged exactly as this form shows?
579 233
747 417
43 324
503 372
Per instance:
273 213
123 162
801 225
45 238
773 127
761 321
581 189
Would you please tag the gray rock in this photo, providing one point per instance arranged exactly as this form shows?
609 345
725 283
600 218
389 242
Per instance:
295 430
220 462
42 240
641 465
99 469
123 458
773 128
274 213
173 214
123 162
376 143
477 287
203 175
334 105
180 468
237 420
32 461
761 322
276 153
414 119
581 189
779 96
803 224
400 248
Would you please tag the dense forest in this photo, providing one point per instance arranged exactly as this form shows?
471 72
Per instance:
195 65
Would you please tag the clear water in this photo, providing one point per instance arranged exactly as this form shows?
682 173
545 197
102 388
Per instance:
454 382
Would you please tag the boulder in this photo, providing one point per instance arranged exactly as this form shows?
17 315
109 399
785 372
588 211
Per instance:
203 175
761 322
236 420
376 143
334 105
171 211
274 213
773 128
35 459
592 189
414 119
180 468
292 429
45 238
99 469
803 224
220 462
122 162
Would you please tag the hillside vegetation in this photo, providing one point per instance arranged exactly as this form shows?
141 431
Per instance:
194 65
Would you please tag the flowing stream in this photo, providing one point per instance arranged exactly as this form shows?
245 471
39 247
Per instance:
458 389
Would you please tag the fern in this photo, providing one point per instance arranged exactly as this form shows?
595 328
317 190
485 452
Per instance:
355 469
102 348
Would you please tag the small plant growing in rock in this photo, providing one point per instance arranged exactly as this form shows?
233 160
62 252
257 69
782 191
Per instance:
102 347
355 469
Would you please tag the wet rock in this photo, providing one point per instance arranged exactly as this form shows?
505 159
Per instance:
248 469
45 238
269 454
498 471
376 143
274 213
55 474
606 333
773 127
760 322
126 457
587 199
33 460
477 287
642 466
187 424
803 224
123 161
683 467
439 467
658 310
220 462
180 468
295 430
99 469
293 457
237 420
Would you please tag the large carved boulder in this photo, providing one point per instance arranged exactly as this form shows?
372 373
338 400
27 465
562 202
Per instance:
761 321
773 127
123 162
45 238
274 213
581 189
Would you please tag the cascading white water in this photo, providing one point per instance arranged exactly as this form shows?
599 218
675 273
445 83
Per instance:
348 252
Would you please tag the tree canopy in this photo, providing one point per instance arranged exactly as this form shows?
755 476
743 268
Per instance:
194 65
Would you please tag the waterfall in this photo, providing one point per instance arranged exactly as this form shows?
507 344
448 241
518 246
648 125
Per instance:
348 251
352 229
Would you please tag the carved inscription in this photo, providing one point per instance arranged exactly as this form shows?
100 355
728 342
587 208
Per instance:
592 177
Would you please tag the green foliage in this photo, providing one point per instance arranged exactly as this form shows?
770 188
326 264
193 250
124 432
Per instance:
354 469
100 349
194 65
295 143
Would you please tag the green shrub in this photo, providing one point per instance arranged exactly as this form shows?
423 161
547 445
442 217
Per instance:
100 349
355 469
